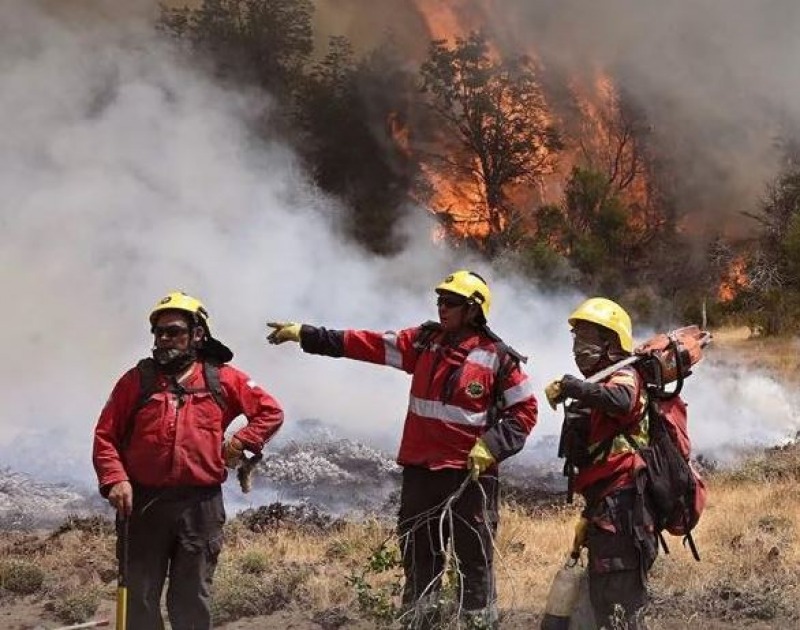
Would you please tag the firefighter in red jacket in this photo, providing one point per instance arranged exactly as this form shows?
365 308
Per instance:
603 428
161 457
470 407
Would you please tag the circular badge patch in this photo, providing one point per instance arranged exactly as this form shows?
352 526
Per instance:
475 389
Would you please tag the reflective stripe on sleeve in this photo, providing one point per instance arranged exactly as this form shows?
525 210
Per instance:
393 357
518 393
436 410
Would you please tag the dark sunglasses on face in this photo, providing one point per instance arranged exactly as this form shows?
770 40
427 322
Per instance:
170 332
450 301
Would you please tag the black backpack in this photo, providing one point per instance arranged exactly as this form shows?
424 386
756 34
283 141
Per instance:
677 494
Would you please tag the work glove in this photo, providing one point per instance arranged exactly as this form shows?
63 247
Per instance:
232 452
479 458
579 540
572 386
284 331
554 393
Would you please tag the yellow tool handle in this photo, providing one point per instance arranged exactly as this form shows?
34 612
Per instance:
122 607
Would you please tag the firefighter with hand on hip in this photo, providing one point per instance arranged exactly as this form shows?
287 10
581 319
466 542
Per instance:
604 426
470 407
160 457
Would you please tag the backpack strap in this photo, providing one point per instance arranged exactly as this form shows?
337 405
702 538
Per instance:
148 385
211 374
689 540
426 332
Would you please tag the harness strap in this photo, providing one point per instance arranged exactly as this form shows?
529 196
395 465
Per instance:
689 540
148 385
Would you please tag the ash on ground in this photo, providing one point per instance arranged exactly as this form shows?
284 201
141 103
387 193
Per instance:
339 475
27 503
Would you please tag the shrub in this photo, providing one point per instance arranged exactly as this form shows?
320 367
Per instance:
77 606
237 595
254 562
21 577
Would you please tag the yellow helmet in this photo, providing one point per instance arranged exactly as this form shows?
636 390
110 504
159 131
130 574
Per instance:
471 286
180 301
607 314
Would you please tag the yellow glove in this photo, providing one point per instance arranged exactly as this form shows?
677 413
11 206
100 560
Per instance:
554 393
284 331
232 452
479 458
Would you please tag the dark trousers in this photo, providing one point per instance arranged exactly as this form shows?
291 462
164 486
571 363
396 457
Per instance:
175 533
622 548
470 534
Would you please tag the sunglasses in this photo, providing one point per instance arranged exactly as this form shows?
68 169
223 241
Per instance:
450 301
170 332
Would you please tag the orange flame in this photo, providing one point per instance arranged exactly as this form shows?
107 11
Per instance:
734 280
598 134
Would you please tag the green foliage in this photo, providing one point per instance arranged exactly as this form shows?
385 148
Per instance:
77 606
790 249
378 603
21 577
261 42
254 562
344 109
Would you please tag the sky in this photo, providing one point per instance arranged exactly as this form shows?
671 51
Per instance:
126 175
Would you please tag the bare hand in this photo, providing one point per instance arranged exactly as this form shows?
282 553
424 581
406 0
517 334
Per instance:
121 498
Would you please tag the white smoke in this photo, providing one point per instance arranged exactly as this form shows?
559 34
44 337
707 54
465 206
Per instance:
126 175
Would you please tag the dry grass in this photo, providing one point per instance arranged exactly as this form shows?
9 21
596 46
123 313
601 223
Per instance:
747 537
779 356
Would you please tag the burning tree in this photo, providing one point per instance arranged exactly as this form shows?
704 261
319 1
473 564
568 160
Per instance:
499 131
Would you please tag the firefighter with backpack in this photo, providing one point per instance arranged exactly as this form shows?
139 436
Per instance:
605 425
161 457
470 407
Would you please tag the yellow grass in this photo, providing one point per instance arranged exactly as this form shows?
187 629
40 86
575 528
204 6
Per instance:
747 538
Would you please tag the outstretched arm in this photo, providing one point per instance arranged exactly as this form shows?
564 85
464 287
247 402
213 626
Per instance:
395 349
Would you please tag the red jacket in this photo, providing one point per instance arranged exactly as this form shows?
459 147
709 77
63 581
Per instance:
625 408
178 444
451 394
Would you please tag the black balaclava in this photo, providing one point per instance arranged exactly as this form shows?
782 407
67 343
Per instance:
595 348
173 361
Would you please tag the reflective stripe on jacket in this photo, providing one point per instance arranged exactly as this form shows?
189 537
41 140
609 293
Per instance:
177 440
451 392
617 467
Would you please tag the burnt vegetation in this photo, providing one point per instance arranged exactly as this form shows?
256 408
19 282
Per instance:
476 136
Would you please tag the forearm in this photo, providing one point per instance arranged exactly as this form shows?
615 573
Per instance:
609 398
506 438
319 340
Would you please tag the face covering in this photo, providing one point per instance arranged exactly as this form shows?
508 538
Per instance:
588 355
173 361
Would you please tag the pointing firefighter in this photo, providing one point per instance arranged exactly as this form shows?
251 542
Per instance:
604 426
470 407
161 457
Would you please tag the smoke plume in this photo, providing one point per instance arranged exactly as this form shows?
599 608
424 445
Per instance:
127 175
